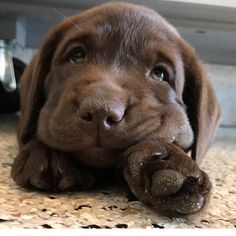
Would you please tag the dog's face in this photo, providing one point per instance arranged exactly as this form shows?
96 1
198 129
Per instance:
116 79
112 77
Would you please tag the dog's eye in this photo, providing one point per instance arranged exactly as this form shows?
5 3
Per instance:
159 73
77 55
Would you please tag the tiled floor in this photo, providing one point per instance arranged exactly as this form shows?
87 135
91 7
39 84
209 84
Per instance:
110 208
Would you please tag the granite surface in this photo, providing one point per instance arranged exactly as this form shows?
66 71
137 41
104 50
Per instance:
110 208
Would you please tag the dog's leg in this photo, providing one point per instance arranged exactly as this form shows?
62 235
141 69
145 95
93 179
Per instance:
166 178
41 167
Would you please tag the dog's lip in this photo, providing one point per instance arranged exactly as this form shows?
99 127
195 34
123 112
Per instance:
97 146
96 142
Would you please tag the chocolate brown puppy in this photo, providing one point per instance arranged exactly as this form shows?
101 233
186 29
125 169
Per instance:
117 86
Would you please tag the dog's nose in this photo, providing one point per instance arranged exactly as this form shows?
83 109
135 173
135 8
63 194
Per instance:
101 116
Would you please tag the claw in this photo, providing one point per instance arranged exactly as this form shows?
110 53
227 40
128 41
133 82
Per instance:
159 156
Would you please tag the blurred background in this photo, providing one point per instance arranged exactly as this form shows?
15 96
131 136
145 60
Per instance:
209 25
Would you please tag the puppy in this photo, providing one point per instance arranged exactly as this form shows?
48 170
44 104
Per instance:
117 86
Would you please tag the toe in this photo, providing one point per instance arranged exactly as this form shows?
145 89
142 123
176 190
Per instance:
40 182
185 204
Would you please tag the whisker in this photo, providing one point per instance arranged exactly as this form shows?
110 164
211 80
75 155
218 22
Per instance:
65 17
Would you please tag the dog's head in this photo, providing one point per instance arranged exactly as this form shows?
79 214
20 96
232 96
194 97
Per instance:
111 77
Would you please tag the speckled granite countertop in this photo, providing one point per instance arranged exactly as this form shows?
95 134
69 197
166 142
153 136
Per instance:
108 208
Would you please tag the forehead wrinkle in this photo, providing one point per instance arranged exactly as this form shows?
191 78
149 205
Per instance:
127 30
143 35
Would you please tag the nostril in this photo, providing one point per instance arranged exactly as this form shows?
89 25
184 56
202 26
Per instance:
114 117
110 120
87 116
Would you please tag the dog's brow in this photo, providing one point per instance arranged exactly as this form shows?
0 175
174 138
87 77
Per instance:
82 38
165 58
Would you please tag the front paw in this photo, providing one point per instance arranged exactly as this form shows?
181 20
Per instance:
40 167
164 177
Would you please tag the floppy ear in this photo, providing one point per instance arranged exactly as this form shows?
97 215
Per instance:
32 83
202 107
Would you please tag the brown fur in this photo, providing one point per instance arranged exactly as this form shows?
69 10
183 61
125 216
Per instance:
109 111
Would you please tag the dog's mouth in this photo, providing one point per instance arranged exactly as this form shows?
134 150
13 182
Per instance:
114 139
102 151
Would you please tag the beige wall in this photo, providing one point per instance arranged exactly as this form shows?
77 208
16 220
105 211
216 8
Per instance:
224 3
224 81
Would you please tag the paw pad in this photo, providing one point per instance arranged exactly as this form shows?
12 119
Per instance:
166 182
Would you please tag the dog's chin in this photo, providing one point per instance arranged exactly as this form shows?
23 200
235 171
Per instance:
85 148
99 157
